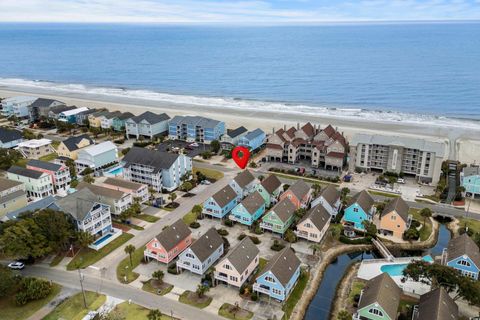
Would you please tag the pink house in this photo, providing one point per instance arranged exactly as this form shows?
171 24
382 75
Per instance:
59 173
169 243
299 194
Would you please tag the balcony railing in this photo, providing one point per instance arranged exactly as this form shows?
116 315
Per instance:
259 288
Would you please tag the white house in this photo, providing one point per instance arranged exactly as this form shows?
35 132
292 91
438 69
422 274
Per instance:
329 198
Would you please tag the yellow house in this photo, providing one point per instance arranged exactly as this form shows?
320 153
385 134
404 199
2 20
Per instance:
69 147
394 219
95 119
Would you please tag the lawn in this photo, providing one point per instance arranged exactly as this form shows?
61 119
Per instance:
57 259
22 162
9 309
88 256
357 287
209 173
189 218
294 177
384 194
191 298
296 294
473 225
231 312
73 307
122 269
133 311
426 230
164 288
147 218
49 157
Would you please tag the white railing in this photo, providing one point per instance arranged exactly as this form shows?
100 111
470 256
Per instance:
258 288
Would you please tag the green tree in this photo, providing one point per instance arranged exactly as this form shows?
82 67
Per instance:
426 213
71 166
411 234
343 195
88 179
344 315
9 157
172 196
186 186
215 146
370 228
130 249
201 290
290 236
7 281
317 188
158 275
154 314
24 239
300 212
84 239
56 227
197 210
315 247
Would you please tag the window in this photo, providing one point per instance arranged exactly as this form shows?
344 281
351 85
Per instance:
233 278
376 312
393 217
189 255
227 266
464 263
269 279
276 291
355 209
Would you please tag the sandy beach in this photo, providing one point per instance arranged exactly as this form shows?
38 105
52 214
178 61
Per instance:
463 143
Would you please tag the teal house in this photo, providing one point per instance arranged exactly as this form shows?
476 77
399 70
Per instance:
118 122
280 218
249 210
270 188
470 180
360 208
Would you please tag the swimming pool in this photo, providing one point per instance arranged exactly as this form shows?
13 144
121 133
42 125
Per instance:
102 239
116 172
396 270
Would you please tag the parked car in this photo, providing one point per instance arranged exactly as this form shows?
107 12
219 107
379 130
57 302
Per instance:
194 144
401 180
206 182
16 265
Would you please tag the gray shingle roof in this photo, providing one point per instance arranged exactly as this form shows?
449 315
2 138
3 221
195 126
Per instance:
72 142
195 121
47 202
283 265
400 207
284 209
102 191
122 183
173 235
463 245
330 194
62 108
151 117
44 165
318 215
126 115
384 291
6 184
153 158
224 196
299 189
207 244
13 195
7 135
236 132
271 183
253 134
253 202
437 305
364 200
42 103
79 203
244 178
242 255
25 172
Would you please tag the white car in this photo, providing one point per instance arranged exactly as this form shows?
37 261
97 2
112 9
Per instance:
16 265
401 180
193 144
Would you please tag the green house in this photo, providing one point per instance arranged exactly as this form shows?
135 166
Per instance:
269 188
280 217
118 123
379 299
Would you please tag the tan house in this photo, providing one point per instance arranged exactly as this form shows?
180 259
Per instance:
394 220
35 148
12 196
314 224
69 147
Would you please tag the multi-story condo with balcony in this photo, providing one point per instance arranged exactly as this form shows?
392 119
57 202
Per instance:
195 129
322 148
60 174
148 125
118 201
139 191
35 148
157 169
118 122
17 106
12 196
10 138
96 156
411 156
38 184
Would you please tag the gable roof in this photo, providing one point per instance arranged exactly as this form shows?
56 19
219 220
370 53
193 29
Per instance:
125 116
34 174
244 178
300 189
96 149
153 158
284 209
207 244
13 195
400 207
61 108
330 194
122 183
384 291
7 135
44 203
50 166
224 196
173 234
253 134
236 132
271 183
242 254
283 265
253 202
308 129
102 191
329 130
363 199
79 203
72 143
463 245
437 305
150 117
318 215
6 184
42 102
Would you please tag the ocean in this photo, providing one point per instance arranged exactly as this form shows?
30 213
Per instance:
423 72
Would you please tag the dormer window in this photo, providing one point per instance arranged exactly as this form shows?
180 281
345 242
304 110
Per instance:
464 263
376 312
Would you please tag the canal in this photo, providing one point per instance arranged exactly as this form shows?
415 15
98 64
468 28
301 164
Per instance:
319 308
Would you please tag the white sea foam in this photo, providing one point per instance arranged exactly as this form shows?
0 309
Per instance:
240 104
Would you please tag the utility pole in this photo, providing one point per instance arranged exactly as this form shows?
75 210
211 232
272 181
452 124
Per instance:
80 276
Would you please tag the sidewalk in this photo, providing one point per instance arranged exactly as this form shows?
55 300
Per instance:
64 293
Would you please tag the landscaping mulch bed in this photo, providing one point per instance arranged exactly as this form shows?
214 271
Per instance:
161 288
172 205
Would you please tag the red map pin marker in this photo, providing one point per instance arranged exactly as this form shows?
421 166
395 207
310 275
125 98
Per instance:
241 155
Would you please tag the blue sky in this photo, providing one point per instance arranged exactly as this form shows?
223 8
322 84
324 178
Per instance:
236 11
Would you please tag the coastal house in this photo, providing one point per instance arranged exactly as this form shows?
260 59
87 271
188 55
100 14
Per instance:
470 180
106 120
324 148
10 138
379 299
59 174
35 148
68 148
70 116
243 183
55 112
463 255
202 254
394 220
280 217
230 139
237 266
118 201
118 122
360 208
436 305
12 196
299 194
221 203
40 108
270 188
253 140
97 156
95 119
37 184
419 158
139 191
147 125
314 224
249 210
195 129
330 199
44 203
169 243
157 169
279 276
82 117
17 106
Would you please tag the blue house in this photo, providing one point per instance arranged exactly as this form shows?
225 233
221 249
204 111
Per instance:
279 276
253 140
243 183
463 255
221 203
359 209
249 210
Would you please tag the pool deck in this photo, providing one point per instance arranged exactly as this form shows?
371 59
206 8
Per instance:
114 235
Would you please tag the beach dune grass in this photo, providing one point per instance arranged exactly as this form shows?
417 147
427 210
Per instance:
9 309
73 308
230 311
87 256
125 269
191 298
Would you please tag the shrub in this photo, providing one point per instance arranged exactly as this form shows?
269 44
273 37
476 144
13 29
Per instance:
241 236
346 240
125 151
411 234
356 298
222 232
228 222
415 224
195 225
172 269
254 296
254 239
277 246
290 236
32 289
142 144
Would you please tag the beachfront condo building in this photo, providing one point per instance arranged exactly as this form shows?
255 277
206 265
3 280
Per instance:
97 157
10 138
17 106
157 169
321 148
12 196
195 129
411 156
35 148
38 184
41 108
470 180
147 125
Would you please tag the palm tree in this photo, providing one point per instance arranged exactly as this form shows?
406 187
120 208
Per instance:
316 189
172 196
154 314
201 290
158 275
426 213
343 195
84 239
314 248
130 249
